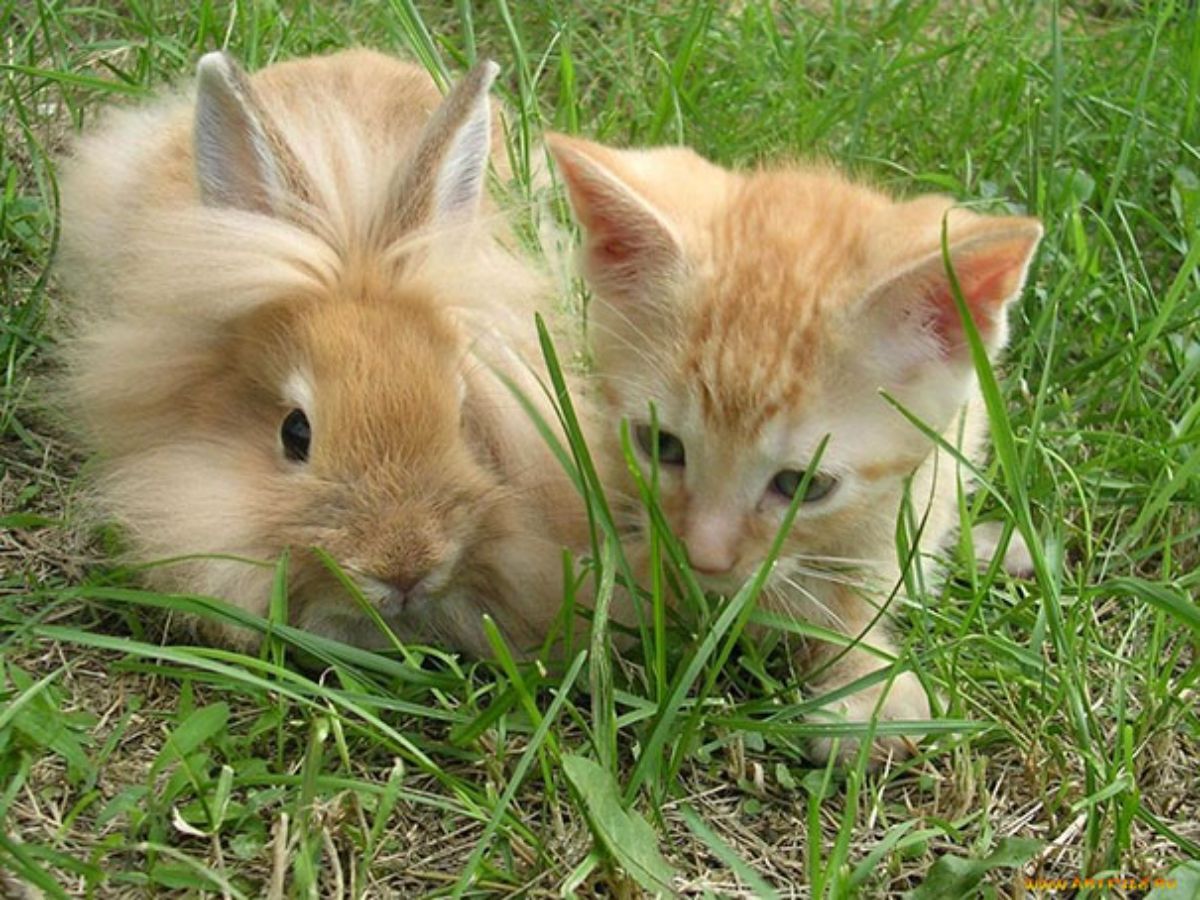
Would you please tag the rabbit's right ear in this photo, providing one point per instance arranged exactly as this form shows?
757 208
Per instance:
444 179
239 159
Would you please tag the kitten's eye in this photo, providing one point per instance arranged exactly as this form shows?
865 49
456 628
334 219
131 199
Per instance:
670 448
296 435
787 482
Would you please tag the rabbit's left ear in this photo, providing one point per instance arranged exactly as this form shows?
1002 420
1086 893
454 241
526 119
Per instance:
240 161
443 183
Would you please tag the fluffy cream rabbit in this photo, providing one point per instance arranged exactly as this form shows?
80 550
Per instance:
291 322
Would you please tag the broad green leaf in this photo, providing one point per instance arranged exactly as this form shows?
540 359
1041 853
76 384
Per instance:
624 834
202 725
1071 185
1181 882
958 876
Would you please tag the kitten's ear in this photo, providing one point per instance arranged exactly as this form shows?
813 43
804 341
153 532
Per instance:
630 246
443 183
240 161
914 315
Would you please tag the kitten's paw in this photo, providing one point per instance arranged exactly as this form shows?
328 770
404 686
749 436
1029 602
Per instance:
985 538
906 700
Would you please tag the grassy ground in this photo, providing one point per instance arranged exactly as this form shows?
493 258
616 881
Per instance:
1072 742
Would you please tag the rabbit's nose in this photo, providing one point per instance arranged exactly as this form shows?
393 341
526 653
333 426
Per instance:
407 582
399 591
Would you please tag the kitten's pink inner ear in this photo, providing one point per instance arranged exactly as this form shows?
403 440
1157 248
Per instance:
916 318
628 243
610 231
911 317
989 274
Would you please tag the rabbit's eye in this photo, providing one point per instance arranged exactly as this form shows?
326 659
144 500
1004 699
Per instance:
296 435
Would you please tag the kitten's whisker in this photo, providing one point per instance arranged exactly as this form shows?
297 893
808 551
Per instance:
638 384
847 560
865 591
812 598
638 348
859 585
631 326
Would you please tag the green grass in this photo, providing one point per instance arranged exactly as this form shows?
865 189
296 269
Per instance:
1069 742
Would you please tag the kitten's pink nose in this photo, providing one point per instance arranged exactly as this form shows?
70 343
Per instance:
711 549
707 567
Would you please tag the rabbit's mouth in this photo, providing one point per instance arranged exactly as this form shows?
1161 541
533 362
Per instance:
398 602
389 598
396 596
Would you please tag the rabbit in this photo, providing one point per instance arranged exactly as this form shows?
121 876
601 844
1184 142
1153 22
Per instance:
297 321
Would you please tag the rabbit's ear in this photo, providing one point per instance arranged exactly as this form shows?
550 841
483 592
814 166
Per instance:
238 157
444 180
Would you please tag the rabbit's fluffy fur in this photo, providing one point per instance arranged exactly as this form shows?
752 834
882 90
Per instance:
310 238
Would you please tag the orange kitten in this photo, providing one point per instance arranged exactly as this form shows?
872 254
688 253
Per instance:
760 312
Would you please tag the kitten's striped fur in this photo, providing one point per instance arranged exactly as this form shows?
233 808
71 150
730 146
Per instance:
761 311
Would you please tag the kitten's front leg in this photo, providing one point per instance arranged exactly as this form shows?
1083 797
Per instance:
834 666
